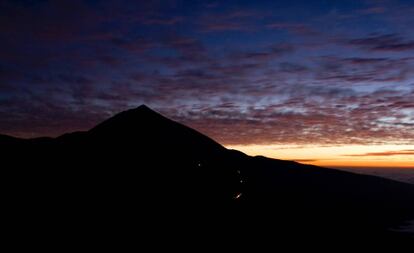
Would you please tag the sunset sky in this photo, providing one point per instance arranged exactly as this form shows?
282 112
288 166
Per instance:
322 82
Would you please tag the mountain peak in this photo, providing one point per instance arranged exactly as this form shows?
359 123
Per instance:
149 127
143 107
132 118
141 113
139 110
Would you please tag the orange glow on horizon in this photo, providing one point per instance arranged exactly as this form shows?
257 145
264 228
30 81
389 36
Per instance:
379 156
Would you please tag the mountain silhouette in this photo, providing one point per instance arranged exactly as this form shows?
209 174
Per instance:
141 170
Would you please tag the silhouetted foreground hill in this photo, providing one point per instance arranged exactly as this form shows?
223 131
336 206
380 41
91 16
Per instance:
139 171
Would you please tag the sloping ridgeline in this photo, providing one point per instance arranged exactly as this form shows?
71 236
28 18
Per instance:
139 171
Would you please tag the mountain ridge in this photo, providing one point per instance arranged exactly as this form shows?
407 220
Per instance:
171 170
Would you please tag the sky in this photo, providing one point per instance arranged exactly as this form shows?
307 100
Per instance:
324 82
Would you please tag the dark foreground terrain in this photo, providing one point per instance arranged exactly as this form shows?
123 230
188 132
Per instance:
139 172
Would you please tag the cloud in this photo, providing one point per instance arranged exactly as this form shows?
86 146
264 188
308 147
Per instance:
384 42
271 53
235 20
162 21
386 153
300 115
45 116
373 10
360 60
292 67
70 64
212 4
135 45
294 28
363 70
224 26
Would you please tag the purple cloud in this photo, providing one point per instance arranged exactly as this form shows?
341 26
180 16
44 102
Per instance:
295 28
386 42
235 20
229 72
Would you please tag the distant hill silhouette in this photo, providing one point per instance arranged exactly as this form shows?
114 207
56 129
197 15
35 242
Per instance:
139 170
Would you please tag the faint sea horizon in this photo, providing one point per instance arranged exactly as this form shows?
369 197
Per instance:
405 175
